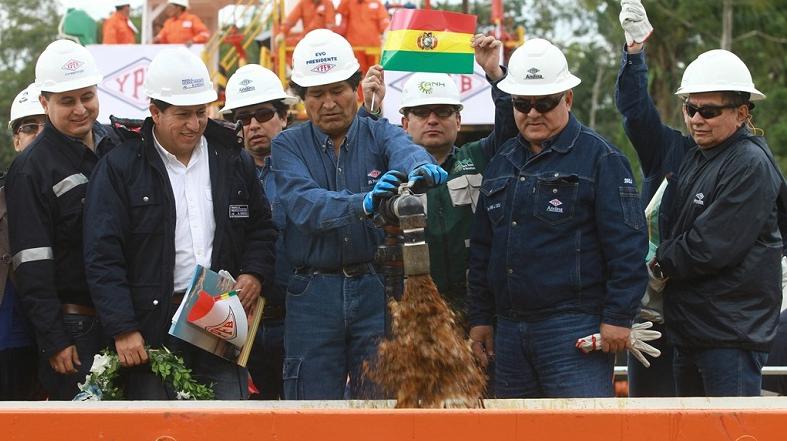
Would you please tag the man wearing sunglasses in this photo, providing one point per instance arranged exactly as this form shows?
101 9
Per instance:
256 100
27 117
557 251
18 355
719 217
430 109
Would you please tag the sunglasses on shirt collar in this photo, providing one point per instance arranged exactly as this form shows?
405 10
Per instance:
261 115
706 112
542 105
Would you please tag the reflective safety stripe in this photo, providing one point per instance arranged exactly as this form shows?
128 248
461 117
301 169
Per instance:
33 254
68 183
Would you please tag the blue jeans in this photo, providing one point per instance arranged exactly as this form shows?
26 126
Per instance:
89 340
656 380
266 360
718 372
539 359
333 325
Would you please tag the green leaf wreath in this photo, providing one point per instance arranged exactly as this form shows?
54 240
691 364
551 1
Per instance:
100 384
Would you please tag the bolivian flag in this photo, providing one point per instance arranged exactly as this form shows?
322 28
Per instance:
427 40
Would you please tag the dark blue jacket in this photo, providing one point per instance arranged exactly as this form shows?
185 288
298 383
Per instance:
560 231
130 235
45 192
705 255
660 148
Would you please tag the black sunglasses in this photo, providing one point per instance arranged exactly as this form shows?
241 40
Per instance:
261 115
542 105
439 111
707 112
29 128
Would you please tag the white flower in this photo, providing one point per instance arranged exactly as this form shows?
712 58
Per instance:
100 364
183 396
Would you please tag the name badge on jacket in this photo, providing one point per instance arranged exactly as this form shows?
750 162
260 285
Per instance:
239 211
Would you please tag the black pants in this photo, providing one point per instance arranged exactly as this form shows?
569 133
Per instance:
19 374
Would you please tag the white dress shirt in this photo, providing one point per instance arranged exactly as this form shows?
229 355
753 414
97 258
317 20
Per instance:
195 224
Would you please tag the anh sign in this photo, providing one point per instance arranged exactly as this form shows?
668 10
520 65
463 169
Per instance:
475 94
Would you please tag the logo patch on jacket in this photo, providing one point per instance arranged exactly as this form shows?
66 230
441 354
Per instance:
698 199
373 175
239 211
463 165
555 206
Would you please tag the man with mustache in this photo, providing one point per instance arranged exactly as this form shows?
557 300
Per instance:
557 250
183 194
45 193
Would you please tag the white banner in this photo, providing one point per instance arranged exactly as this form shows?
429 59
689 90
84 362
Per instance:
475 91
121 93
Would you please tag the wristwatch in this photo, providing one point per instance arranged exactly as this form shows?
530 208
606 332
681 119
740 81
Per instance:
657 271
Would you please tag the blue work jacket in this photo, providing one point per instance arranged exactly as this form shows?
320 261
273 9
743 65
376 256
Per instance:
560 231
322 195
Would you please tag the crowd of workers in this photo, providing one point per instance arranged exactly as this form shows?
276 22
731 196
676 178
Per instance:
361 22
537 232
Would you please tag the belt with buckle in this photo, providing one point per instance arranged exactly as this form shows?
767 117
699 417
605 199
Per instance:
71 308
355 270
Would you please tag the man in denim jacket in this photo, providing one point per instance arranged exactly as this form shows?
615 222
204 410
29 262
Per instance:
558 248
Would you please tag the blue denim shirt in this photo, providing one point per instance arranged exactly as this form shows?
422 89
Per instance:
322 195
562 230
275 292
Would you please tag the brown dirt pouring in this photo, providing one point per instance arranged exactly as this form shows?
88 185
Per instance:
426 363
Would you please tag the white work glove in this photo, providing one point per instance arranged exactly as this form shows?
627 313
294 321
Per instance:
639 335
635 22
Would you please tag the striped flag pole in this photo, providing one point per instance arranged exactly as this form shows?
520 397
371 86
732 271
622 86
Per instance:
429 41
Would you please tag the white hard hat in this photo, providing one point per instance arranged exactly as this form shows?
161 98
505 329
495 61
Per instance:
322 57
537 68
254 84
717 70
184 3
65 65
179 77
25 104
429 88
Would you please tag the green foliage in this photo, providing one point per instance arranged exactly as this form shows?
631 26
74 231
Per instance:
100 383
171 369
590 34
26 27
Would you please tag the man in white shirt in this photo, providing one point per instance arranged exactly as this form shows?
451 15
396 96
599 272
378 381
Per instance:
184 194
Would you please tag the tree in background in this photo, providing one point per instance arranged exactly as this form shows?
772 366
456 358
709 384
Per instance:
26 27
590 34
